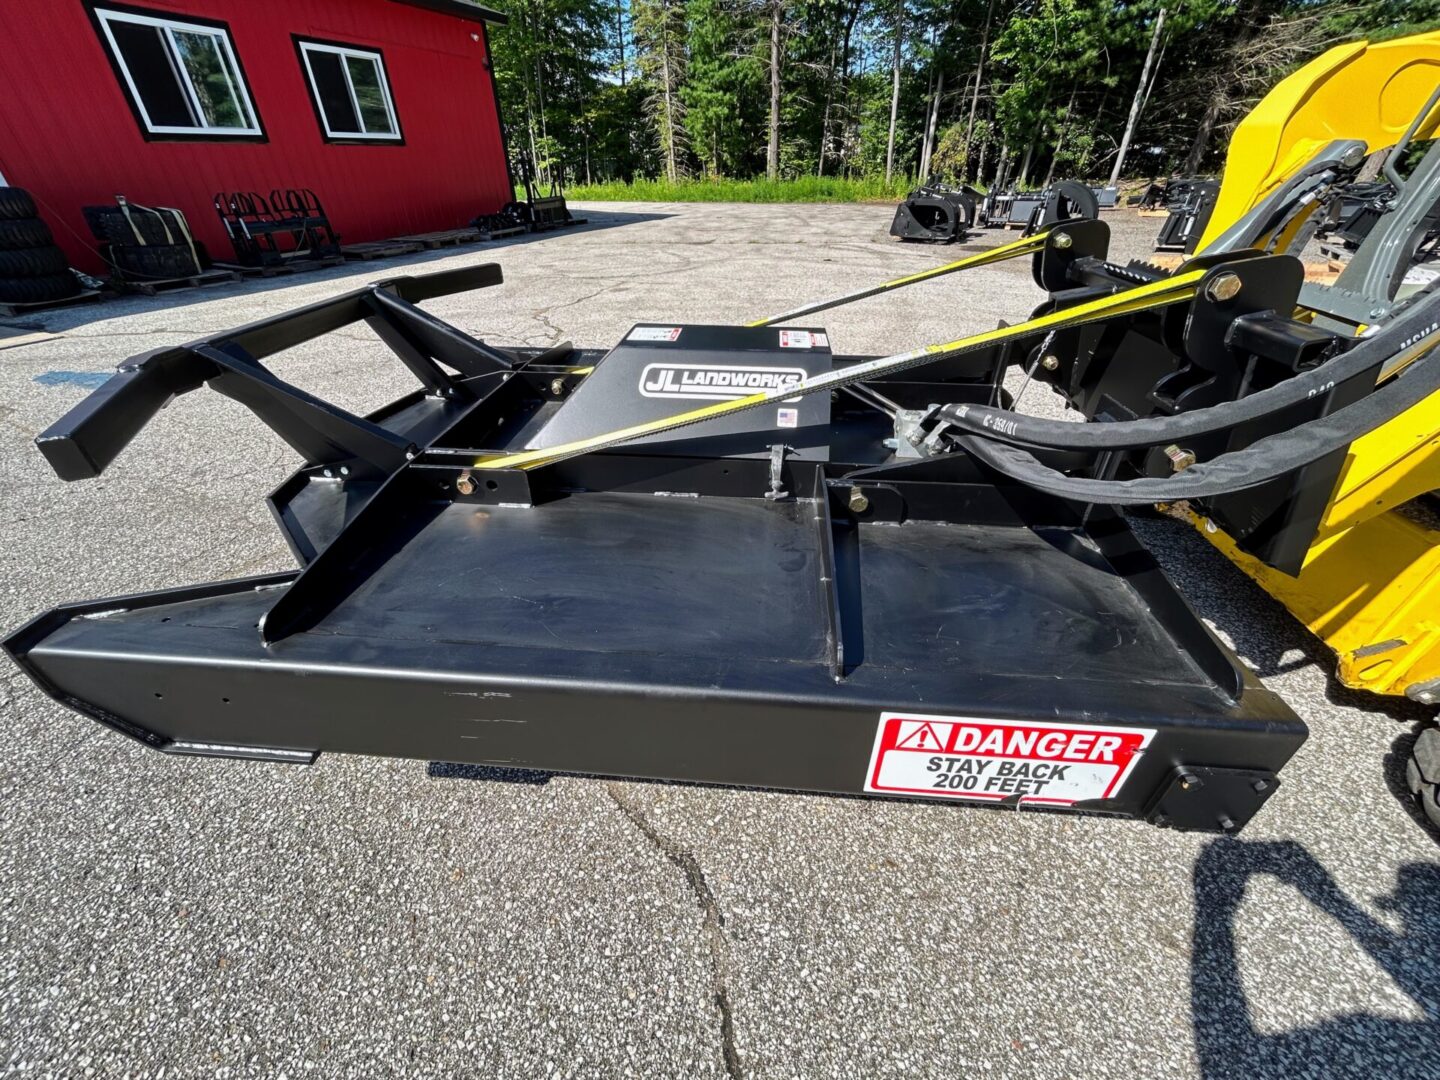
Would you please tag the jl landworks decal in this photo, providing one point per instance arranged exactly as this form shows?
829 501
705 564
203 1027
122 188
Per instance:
714 382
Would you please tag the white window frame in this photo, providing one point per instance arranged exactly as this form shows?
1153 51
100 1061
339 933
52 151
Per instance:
234 75
344 52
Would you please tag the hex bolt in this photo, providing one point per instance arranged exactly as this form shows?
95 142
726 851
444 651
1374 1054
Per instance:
858 502
1226 822
1061 241
1261 785
1189 781
1050 361
1179 458
557 386
1222 287
466 484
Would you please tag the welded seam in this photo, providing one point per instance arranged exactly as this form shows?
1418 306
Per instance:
713 922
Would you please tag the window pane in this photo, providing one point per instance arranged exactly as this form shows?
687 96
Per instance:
333 93
369 97
146 56
247 115
200 54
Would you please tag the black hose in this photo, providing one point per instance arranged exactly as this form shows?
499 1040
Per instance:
1261 461
1406 332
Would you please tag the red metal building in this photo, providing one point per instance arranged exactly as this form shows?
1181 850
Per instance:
385 108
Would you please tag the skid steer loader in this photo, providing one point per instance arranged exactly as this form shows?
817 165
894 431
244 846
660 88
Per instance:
731 554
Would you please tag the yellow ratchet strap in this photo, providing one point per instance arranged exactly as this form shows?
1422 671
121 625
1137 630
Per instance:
1157 294
1024 246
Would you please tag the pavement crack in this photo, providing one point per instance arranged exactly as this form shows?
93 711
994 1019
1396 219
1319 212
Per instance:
713 920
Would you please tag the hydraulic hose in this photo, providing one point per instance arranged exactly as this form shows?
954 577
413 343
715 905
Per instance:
1408 333
1264 460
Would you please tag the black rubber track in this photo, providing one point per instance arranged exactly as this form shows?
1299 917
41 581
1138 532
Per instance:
1422 773
16 203
24 233
33 262
38 290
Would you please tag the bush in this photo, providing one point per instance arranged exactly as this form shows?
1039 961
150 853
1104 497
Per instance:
805 189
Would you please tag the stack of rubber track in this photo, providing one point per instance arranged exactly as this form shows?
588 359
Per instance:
33 270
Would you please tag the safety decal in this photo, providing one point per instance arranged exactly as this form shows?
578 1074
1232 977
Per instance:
802 339
1034 761
654 333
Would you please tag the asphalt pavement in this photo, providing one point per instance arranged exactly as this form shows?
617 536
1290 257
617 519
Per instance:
369 918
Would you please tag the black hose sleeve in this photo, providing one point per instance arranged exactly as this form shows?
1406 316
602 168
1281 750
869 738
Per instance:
1407 332
1263 460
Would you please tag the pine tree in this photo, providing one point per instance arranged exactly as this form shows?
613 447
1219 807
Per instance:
659 29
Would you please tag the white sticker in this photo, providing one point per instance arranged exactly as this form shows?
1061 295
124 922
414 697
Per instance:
787 418
797 339
654 333
1034 761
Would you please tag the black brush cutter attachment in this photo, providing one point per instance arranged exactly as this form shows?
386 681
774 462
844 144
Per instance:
784 595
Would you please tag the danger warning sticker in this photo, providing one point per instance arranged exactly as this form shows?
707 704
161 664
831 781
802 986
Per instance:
951 757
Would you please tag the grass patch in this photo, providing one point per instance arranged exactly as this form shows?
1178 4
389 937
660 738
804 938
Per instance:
806 189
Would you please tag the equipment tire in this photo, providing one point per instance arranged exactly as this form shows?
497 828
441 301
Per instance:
33 262
38 290
1422 773
24 233
16 203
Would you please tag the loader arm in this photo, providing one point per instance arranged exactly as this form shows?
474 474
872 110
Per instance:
1361 90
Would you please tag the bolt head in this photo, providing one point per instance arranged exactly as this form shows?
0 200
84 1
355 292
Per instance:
1223 287
466 484
1189 781
1049 361
858 502
1261 785
557 386
1061 241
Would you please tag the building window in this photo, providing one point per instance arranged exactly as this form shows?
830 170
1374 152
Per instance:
350 90
182 77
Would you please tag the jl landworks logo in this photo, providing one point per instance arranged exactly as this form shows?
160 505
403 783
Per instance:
714 382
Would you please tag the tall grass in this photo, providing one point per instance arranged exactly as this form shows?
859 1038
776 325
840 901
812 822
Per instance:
806 189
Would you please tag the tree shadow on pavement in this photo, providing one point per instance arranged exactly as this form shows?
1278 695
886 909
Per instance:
1356 1044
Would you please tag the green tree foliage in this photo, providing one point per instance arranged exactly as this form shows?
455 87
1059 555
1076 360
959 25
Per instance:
724 89
1016 90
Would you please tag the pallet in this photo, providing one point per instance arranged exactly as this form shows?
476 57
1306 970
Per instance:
204 279
292 266
501 234
1153 213
85 296
443 238
555 226
380 249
